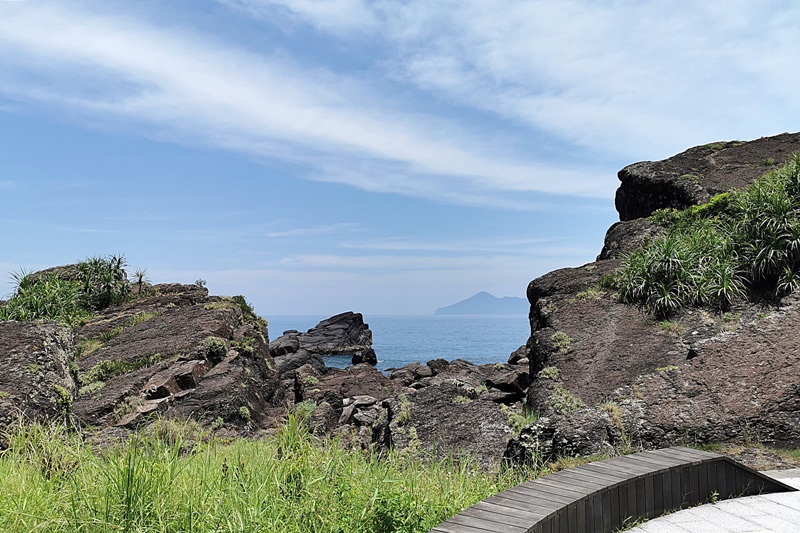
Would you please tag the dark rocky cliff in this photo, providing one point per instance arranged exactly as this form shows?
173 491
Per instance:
605 372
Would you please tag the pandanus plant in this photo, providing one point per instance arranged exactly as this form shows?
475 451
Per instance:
714 254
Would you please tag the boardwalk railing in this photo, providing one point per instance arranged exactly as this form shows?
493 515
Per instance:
603 496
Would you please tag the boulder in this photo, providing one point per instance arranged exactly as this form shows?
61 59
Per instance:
342 334
449 418
37 381
606 373
694 176
177 353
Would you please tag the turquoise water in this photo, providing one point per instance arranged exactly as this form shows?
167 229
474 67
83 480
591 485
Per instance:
399 340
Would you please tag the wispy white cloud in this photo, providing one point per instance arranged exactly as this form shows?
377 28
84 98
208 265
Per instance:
635 79
8 184
501 245
398 263
337 16
327 229
183 86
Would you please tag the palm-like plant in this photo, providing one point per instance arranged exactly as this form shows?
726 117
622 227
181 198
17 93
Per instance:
712 254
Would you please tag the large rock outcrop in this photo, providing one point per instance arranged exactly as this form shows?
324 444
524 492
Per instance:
342 334
694 176
606 373
176 352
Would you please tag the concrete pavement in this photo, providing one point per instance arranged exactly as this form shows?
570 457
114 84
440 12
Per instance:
769 513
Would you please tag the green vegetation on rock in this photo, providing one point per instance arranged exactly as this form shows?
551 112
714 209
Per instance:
720 253
98 283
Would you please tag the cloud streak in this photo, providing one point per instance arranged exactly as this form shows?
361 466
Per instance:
181 86
634 79
328 229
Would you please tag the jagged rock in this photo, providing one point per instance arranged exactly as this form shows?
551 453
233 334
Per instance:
177 353
449 418
624 237
176 378
694 176
597 343
701 376
337 384
36 377
585 432
288 343
518 356
342 334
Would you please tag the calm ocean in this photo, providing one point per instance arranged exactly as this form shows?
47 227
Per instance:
399 340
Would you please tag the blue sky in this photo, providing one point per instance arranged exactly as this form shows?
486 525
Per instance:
389 157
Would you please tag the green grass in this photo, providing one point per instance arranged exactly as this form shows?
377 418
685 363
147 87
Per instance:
172 480
720 253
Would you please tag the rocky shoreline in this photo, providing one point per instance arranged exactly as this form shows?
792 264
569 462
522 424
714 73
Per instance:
602 375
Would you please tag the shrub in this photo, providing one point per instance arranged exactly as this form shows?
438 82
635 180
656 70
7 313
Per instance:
216 348
561 342
100 282
563 401
714 254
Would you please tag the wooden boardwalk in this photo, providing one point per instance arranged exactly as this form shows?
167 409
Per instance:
603 496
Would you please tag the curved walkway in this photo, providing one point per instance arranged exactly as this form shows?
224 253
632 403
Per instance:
768 513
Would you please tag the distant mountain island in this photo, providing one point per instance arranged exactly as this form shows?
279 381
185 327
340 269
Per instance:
484 303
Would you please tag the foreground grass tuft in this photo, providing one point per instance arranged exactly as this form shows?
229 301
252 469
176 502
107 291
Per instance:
173 480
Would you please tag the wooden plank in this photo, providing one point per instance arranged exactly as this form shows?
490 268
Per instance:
658 493
580 523
605 509
689 484
617 466
676 480
684 455
594 513
702 483
600 496
641 498
524 495
550 486
488 525
562 521
653 463
502 518
532 515
580 481
534 507
722 480
604 473
566 495
449 527
615 506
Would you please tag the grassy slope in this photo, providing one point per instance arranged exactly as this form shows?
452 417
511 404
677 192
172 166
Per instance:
288 483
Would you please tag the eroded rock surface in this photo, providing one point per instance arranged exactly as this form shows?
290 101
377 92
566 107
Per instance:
606 373
176 352
37 381
694 176
342 334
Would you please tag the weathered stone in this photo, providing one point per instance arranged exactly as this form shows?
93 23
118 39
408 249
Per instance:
694 176
438 365
624 237
518 355
345 333
288 343
445 419
36 378
174 379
